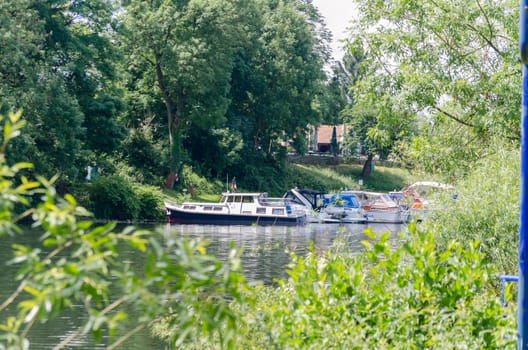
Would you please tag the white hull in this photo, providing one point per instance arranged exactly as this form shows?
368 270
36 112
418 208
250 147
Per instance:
396 217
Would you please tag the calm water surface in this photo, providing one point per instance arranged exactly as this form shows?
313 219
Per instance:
266 254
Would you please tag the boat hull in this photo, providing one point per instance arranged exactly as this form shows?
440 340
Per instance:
385 217
184 217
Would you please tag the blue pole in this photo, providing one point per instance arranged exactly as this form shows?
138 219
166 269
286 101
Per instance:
522 321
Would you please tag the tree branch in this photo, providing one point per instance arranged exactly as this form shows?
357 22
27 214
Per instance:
449 115
22 284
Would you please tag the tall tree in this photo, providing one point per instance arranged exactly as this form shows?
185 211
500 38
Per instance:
278 78
56 65
180 52
377 126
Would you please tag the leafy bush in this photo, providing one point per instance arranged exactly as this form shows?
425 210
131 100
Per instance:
263 177
412 296
150 202
112 197
143 153
200 184
77 264
487 210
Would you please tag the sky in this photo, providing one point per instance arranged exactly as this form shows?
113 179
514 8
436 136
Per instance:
338 14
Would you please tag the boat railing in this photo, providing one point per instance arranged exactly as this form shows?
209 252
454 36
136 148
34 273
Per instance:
506 279
274 201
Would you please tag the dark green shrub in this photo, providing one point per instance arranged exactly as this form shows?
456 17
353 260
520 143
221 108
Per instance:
114 198
150 203
143 153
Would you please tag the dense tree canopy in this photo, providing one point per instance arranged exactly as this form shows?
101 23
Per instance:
450 65
225 85
234 77
225 71
180 53
57 65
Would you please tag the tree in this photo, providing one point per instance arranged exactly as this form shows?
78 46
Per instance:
378 126
333 142
452 65
180 53
277 78
56 65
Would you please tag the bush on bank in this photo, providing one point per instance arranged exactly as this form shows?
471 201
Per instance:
409 297
486 210
114 198
151 207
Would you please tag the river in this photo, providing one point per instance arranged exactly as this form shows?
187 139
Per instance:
266 254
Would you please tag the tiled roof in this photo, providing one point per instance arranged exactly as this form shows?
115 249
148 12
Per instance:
324 133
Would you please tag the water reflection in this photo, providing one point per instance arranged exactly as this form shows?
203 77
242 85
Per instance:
266 249
266 254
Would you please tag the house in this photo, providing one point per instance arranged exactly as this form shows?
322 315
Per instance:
320 137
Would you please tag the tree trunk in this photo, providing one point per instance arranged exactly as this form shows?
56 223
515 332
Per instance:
174 112
367 167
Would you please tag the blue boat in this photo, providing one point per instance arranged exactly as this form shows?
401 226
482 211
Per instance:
236 209
344 208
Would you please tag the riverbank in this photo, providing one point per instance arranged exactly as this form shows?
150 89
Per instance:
330 178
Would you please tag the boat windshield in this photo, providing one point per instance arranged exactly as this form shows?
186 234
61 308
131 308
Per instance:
343 200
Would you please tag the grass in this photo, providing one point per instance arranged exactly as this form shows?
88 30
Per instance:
347 176
382 179
179 197
328 179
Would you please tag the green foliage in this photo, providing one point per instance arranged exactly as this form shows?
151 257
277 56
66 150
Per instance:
113 197
441 151
450 68
142 151
260 177
75 263
57 67
150 200
201 185
214 150
487 210
412 296
185 51
277 77
344 176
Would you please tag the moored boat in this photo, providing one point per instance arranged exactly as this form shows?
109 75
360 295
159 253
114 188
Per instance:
306 201
422 197
236 208
343 208
379 207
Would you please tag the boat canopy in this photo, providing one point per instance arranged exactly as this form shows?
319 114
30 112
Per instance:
343 200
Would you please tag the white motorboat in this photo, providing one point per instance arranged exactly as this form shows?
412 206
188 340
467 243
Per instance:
236 208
